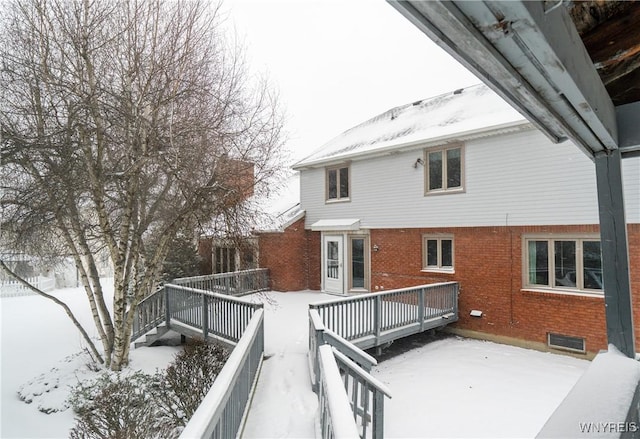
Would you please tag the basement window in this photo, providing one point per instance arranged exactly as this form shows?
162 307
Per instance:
566 343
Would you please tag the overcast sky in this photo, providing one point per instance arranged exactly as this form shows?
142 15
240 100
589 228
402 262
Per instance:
337 63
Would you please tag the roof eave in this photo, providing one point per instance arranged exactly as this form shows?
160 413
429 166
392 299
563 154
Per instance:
460 136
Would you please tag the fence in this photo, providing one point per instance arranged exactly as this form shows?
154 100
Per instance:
237 283
340 372
370 320
222 412
13 288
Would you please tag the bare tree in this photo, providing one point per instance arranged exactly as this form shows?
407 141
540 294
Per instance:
121 124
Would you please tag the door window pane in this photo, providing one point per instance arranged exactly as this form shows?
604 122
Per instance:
357 263
435 170
565 263
454 168
592 265
332 259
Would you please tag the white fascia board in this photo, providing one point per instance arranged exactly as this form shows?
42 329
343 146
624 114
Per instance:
534 60
461 136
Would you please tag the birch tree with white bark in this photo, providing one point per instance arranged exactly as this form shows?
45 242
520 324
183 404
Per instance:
123 123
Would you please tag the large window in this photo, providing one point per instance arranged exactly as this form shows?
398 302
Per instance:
563 263
437 253
225 259
444 170
337 183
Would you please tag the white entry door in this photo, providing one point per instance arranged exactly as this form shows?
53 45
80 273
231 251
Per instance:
333 271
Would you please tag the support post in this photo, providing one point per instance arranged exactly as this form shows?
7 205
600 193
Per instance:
167 311
205 316
615 253
421 301
377 318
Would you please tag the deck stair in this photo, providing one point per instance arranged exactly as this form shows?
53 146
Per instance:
150 338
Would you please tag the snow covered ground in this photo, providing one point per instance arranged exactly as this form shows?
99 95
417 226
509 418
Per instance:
441 387
40 357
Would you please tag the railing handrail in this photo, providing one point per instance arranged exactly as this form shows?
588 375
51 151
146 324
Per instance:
340 342
339 411
213 294
217 275
379 293
204 421
355 367
345 356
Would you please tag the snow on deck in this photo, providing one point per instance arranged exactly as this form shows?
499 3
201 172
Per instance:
452 387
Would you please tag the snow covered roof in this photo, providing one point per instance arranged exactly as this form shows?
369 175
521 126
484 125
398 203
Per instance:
281 208
458 115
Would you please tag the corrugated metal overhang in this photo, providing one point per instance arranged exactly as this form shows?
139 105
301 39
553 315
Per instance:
531 54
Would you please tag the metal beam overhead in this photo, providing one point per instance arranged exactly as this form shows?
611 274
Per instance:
530 56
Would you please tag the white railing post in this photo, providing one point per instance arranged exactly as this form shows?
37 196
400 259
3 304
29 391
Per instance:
421 304
377 317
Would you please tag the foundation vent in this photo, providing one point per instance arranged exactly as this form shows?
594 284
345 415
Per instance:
565 342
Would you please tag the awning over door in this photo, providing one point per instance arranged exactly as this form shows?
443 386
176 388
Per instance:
332 225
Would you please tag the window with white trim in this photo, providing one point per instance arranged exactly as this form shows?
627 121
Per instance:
563 263
337 187
437 253
444 169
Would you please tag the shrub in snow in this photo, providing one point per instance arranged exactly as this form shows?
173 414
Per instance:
183 386
115 406
120 405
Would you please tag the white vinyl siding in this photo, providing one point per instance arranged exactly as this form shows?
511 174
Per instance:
512 179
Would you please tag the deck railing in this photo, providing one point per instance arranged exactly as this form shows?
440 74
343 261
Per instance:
214 315
150 312
373 319
335 410
223 410
332 358
237 283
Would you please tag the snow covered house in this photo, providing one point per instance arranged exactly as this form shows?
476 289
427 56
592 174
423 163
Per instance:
462 188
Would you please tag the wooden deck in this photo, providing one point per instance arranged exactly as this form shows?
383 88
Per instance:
377 319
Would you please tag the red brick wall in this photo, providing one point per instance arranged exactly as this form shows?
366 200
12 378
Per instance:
488 265
293 257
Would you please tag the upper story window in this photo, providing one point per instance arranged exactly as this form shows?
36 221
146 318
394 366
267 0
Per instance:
563 263
444 169
437 253
338 183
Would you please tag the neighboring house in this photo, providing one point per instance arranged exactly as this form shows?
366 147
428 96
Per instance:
223 252
458 188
